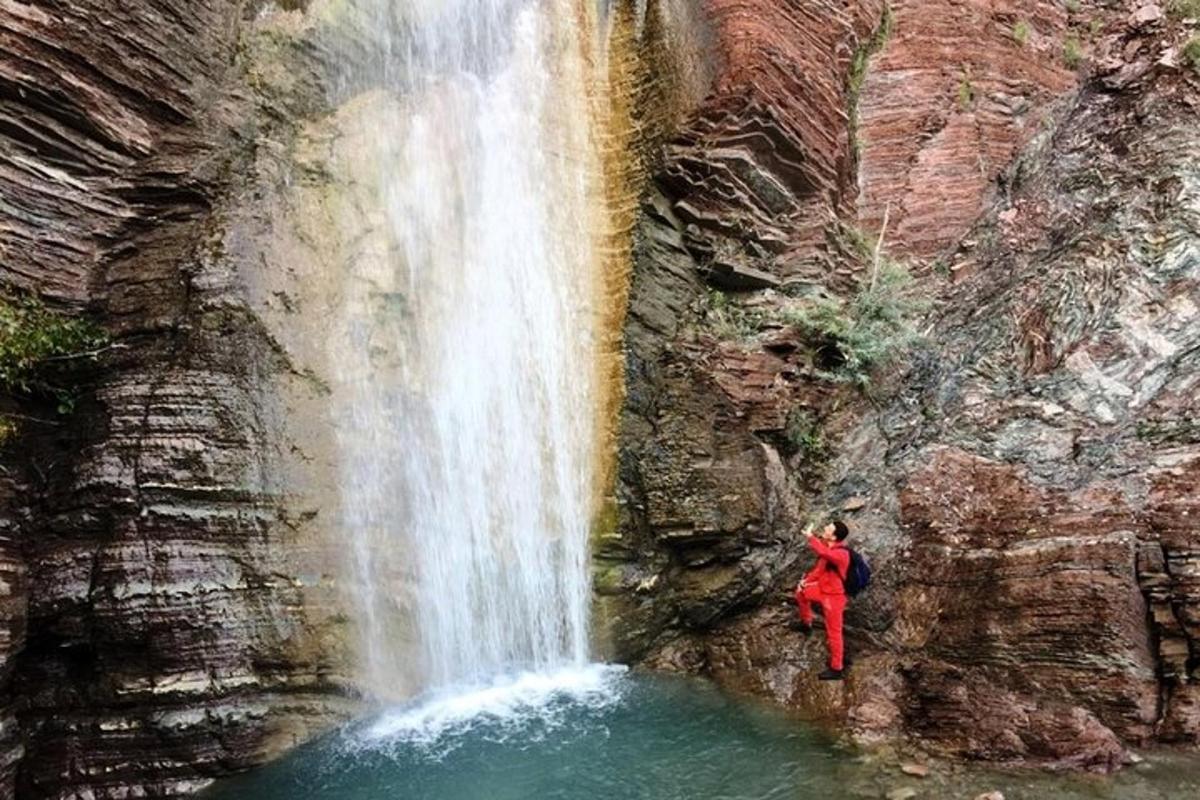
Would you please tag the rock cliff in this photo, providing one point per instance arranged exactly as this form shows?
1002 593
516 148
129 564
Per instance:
165 616
1020 476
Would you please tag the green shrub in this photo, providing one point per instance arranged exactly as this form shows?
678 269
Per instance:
966 91
849 337
853 241
36 343
1020 33
1072 6
1191 53
803 433
1184 9
728 320
867 331
1072 53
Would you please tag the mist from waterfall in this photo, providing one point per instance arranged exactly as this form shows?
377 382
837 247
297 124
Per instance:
463 353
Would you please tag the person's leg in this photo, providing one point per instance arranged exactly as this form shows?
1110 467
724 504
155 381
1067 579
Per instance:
834 607
812 595
804 606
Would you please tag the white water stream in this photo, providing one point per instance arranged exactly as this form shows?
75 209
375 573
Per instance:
463 354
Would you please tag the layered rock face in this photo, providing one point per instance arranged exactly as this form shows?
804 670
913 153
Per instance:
1018 478
1023 481
167 613
946 104
741 199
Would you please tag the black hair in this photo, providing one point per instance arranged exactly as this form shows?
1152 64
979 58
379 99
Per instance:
839 529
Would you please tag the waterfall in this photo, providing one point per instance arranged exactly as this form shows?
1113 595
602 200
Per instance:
464 349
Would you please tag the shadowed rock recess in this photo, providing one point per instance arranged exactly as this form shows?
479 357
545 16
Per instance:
1023 477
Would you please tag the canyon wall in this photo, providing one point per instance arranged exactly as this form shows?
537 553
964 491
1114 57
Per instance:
1022 478
167 612
1018 475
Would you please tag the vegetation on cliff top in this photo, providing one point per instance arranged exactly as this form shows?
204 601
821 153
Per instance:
36 344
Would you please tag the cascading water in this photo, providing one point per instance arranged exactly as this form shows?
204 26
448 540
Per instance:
463 357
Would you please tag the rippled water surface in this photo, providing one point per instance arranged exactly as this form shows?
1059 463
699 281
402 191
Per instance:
602 733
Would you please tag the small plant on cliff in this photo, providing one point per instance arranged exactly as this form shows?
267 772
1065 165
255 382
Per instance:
1184 9
966 90
727 319
868 330
803 434
36 343
880 36
1020 33
858 69
1072 52
1191 53
1072 6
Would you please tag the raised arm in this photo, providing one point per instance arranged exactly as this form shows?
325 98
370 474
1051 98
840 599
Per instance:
839 556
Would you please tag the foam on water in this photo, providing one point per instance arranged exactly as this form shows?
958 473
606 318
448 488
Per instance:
517 702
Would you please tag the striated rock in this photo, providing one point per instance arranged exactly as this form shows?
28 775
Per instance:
763 164
955 92
169 615
742 197
1023 485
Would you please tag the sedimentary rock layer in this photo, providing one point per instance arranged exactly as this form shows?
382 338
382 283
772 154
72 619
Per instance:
955 91
166 618
1019 483
756 172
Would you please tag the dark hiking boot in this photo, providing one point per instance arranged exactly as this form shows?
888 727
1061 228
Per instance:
831 675
798 625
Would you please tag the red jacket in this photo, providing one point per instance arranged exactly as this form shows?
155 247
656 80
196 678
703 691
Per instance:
833 561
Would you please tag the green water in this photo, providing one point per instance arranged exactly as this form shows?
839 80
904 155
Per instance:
633 738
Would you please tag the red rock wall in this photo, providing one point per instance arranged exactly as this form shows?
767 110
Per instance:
742 196
763 164
1021 482
948 101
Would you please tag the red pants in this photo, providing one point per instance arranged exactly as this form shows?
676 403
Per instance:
833 606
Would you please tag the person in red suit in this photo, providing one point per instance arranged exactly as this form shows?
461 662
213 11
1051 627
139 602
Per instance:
826 584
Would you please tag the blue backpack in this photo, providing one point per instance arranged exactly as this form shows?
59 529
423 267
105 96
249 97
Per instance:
858 576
